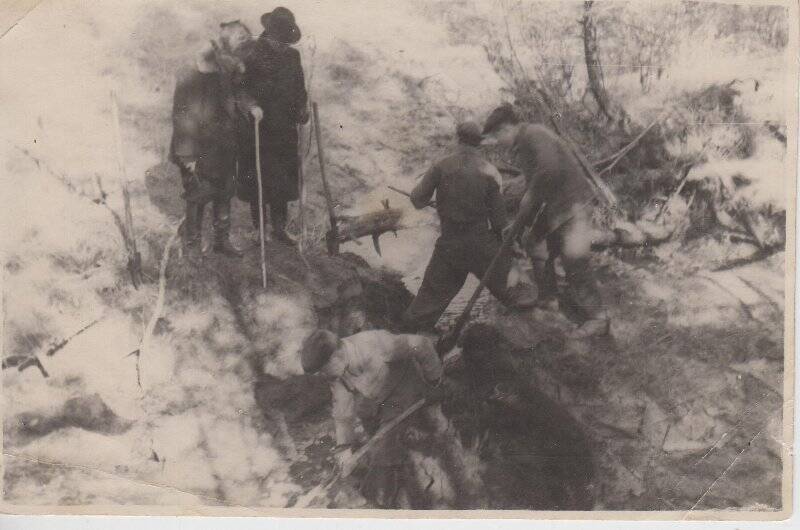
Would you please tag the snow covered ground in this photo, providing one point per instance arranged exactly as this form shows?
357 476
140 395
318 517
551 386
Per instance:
184 429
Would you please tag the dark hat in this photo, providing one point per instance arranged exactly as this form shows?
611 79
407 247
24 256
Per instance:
469 132
280 25
500 116
317 350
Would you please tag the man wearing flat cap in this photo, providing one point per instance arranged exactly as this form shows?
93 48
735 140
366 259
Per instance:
556 179
275 85
473 216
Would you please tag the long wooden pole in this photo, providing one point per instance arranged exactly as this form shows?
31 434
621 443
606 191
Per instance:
449 340
333 235
134 258
432 204
301 189
260 206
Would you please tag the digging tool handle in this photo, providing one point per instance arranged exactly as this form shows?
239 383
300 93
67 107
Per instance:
301 191
432 204
448 341
333 235
378 436
260 205
398 190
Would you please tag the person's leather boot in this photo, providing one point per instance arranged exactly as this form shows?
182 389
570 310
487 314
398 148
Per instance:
521 298
222 230
595 327
283 237
190 232
254 215
279 232
226 248
547 304
192 250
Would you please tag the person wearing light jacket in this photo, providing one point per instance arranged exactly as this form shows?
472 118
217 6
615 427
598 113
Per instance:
375 376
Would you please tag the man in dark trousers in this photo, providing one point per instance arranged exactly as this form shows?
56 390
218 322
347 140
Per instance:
473 217
204 117
555 178
275 84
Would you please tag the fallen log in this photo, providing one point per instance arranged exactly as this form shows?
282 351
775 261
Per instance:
374 224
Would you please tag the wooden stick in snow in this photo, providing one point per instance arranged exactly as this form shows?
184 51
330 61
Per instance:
134 258
333 235
158 309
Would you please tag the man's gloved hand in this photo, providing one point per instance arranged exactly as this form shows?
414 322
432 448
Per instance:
343 456
435 391
257 113
190 167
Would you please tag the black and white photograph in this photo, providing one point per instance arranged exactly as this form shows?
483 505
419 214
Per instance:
454 258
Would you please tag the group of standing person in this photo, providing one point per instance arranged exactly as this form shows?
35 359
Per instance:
244 88
240 84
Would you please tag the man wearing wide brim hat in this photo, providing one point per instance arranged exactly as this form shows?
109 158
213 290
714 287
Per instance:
280 24
275 84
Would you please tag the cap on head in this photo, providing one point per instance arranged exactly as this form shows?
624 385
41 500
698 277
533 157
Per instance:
502 115
469 133
234 33
280 25
317 350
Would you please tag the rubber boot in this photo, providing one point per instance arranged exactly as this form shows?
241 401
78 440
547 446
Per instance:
222 229
226 248
544 273
585 296
595 327
279 226
521 298
254 214
191 232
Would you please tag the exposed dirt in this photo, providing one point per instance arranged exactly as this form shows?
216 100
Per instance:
685 397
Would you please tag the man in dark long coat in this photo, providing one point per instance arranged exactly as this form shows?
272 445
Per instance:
203 145
275 85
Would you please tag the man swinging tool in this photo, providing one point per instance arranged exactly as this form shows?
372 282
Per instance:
378 379
556 179
473 217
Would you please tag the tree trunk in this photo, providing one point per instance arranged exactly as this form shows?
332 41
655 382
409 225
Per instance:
593 68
